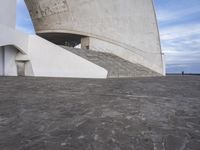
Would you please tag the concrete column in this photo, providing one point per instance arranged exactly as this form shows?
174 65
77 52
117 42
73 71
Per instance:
10 67
85 42
1 61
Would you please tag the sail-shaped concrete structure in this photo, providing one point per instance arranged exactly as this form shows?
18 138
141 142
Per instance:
126 28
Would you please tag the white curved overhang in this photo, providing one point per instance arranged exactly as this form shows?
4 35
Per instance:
10 36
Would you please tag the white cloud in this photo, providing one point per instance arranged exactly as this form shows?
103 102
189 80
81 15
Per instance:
180 38
182 49
171 15
179 31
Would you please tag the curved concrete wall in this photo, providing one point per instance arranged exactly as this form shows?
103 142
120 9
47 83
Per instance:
128 24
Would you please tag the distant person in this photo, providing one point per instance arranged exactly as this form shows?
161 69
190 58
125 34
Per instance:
183 73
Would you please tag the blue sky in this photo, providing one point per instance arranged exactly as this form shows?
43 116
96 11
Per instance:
179 24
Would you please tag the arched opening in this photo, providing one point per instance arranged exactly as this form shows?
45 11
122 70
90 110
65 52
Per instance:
65 39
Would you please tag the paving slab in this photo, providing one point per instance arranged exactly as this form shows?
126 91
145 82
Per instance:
160 113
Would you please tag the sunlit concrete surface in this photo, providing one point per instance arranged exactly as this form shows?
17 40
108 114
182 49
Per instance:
85 114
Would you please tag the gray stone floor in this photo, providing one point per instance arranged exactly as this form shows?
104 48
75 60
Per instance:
161 113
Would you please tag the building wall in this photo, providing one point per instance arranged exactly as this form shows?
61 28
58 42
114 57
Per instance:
8 53
8 13
129 24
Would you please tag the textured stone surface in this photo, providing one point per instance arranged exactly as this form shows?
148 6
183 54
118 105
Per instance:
116 66
113 114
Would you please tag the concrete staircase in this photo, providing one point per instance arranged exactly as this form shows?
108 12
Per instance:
116 66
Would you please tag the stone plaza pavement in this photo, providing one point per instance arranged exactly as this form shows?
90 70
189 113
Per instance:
160 113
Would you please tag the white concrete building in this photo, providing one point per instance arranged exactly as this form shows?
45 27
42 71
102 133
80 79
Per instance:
127 30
